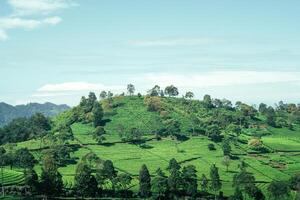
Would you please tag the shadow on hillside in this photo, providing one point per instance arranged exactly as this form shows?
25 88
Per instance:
104 121
181 138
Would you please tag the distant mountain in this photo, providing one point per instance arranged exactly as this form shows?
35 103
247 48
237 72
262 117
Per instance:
9 112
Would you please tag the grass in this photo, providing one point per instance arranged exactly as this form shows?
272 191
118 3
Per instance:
11 177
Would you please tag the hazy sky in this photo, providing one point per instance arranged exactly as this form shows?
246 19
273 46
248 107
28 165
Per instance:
58 50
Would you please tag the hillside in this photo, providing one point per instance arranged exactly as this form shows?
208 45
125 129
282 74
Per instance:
153 130
9 112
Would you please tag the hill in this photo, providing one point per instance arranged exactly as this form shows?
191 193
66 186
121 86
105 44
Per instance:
152 130
9 112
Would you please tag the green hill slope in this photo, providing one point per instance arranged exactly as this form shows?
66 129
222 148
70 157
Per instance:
195 120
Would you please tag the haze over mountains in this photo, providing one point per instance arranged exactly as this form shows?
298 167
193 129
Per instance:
9 112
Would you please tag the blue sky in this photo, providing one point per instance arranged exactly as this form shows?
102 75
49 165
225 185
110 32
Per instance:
58 50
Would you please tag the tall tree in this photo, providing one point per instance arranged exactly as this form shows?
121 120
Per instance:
171 91
189 95
189 180
103 94
155 91
174 181
144 182
207 101
31 180
107 172
271 116
51 183
130 89
226 162
173 165
97 114
85 184
215 183
262 108
226 147
159 185
204 183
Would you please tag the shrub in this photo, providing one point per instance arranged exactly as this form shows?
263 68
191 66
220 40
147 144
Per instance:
211 147
153 103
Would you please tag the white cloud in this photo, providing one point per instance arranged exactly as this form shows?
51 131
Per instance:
30 7
8 23
30 14
174 42
221 78
76 86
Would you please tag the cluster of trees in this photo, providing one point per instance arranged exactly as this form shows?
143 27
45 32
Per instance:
283 115
22 129
89 110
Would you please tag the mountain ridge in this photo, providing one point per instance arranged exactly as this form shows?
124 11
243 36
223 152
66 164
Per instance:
9 112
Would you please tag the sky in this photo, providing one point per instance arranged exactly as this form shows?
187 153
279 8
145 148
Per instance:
58 50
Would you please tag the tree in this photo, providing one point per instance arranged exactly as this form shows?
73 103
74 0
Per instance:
90 157
207 101
51 183
123 181
242 165
254 192
107 172
144 182
226 162
174 181
189 95
130 89
172 127
103 94
203 183
134 134
24 159
173 165
64 134
110 95
98 134
279 190
31 179
189 180
215 183
171 91
262 108
159 185
238 195
271 116
155 91
97 114
295 182
226 147
88 103
85 184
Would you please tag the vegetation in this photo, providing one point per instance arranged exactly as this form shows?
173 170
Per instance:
154 146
